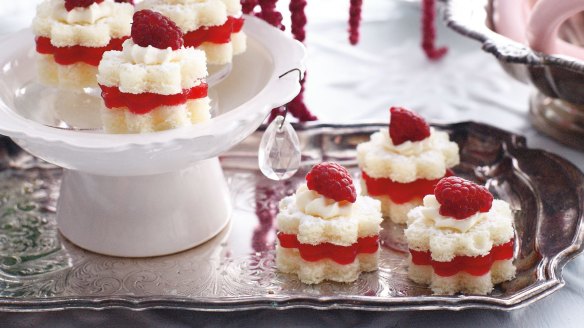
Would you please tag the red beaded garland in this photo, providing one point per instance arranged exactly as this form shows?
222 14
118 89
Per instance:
297 107
429 31
270 14
354 20
248 6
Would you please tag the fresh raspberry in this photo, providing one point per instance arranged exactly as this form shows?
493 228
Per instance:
333 181
153 29
460 198
72 4
407 126
128 1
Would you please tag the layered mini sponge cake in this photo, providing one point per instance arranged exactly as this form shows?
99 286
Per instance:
154 83
402 164
326 232
214 26
460 239
72 35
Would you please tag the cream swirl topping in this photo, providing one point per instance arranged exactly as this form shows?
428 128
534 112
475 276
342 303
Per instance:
147 55
315 204
83 15
408 148
431 211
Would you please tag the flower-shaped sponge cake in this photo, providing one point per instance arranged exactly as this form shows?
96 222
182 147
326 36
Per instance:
214 26
402 164
154 83
326 231
72 35
460 240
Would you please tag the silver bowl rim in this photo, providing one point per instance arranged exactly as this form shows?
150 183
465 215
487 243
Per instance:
500 46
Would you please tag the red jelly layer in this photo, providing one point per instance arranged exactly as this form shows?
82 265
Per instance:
75 54
214 34
400 193
339 254
474 265
145 102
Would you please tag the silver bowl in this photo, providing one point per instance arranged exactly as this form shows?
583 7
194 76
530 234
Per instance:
557 103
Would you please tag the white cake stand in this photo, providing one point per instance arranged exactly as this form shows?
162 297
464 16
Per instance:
147 194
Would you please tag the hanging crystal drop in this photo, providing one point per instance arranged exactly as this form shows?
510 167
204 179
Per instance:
279 153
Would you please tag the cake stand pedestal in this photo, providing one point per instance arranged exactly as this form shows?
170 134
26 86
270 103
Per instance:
155 193
147 215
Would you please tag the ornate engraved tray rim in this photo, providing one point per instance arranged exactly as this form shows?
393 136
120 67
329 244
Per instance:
315 138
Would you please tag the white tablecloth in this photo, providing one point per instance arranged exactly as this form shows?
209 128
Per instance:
349 84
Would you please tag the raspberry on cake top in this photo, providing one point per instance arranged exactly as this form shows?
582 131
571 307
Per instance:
72 35
214 26
460 240
402 164
154 83
325 230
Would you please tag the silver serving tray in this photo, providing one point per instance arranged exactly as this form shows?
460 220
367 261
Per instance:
41 271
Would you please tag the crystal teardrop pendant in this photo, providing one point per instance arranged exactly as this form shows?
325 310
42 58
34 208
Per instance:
279 153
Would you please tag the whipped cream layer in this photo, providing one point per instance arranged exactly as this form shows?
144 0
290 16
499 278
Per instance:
83 15
361 219
447 237
312 203
431 210
93 26
138 69
190 15
409 161
149 55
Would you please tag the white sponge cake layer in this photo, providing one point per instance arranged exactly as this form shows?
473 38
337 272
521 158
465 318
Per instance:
222 53
363 221
180 69
105 21
190 15
121 120
288 260
239 42
462 282
409 161
77 75
217 53
233 7
491 229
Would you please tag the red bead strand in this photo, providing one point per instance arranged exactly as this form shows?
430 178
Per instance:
429 31
270 14
298 19
297 107
354 20
248 6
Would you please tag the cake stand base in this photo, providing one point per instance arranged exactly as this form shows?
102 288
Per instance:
140 216
558 119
